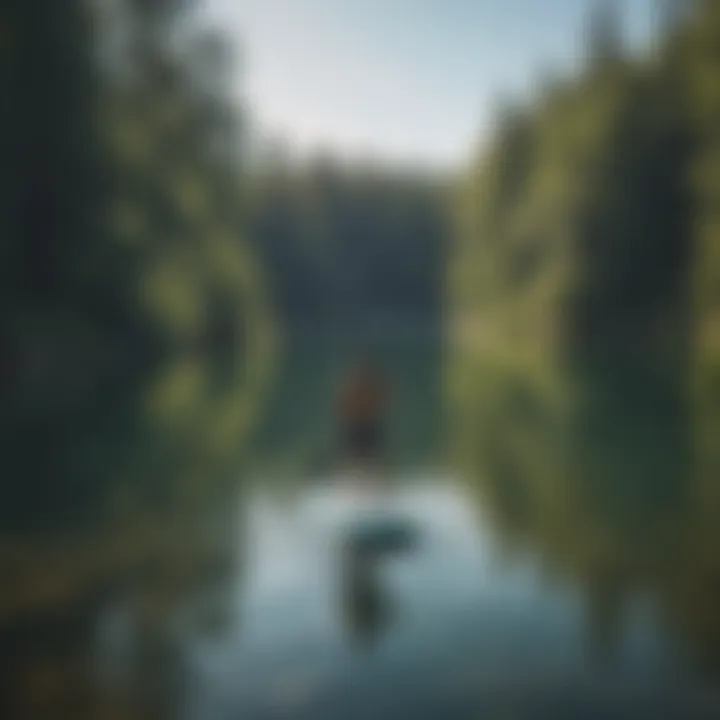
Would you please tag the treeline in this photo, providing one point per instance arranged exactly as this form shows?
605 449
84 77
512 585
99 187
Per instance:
133 323
344 245
591 221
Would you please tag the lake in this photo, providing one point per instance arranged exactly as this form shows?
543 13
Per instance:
563 563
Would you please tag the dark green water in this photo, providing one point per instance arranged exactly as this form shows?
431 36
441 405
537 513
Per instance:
297 433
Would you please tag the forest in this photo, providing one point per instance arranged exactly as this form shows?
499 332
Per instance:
344 245
582 306
146 270
586 225
588 231
132 300
153 281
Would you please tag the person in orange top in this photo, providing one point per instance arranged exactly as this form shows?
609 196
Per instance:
360 409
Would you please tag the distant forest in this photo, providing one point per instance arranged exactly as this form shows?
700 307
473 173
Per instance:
346 245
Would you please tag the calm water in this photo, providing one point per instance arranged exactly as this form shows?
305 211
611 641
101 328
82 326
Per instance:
454 628
565 565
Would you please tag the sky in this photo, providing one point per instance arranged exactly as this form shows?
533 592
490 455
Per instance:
411 81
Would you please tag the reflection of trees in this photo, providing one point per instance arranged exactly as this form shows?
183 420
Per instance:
171 579
594 469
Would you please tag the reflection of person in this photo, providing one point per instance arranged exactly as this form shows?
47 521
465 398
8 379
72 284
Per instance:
361 406
365 605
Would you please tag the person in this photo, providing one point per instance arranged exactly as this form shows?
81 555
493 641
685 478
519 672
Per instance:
361 407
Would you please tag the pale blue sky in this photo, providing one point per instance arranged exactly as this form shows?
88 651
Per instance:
404 80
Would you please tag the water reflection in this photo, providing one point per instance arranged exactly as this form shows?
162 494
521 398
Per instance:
92 631
584 543
366 602
596 469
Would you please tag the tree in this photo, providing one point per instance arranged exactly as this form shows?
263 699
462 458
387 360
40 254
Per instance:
605 40
130 293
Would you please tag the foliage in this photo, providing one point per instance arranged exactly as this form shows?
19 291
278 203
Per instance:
135 334
575 228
